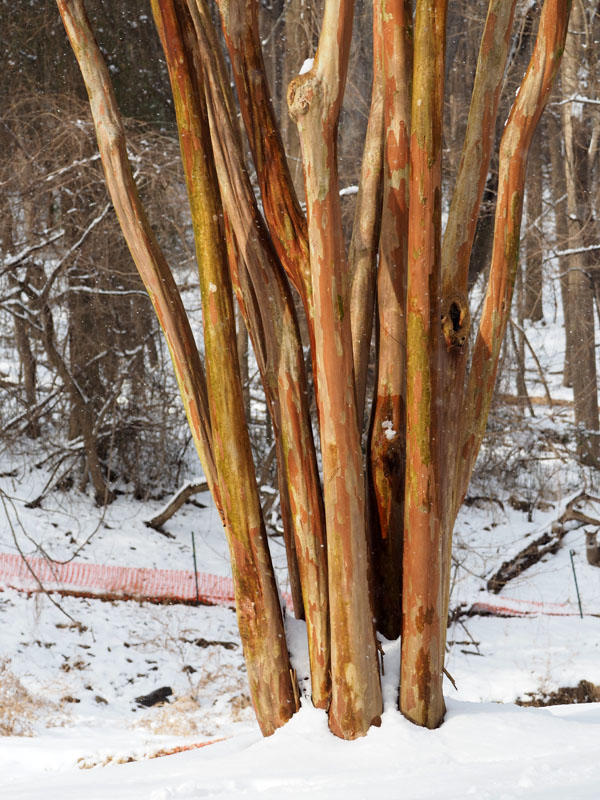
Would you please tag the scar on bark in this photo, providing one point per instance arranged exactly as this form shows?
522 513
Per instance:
300 93
456 321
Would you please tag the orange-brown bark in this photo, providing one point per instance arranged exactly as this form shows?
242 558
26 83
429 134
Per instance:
458 243
362 256
269 312
428 420
314 100
284 217
283 214
524 116
421 697
387 439
257 601
477 148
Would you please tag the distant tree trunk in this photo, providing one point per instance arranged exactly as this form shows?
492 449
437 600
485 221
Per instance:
28 371
559 191
580 289
533 279
22 330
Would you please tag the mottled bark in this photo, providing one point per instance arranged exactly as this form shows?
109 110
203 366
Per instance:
422 661
460 241
300 27
284 217
283 214
387 439
477 147
524 116
270 315
257 603
429 416
314 101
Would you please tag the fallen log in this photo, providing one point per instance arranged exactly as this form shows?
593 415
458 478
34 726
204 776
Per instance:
548 543
175 503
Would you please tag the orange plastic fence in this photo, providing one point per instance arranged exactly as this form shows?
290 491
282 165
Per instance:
97 580
510 607
178 586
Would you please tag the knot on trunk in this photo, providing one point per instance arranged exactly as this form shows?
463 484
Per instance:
300 94
456 321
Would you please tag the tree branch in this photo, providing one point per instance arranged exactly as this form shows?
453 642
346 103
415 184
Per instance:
477 147
514 147
142 243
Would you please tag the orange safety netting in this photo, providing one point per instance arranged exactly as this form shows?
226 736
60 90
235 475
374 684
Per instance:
97 580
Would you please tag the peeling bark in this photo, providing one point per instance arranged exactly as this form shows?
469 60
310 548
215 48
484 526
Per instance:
283 214
477 147
266 302
314 100
429 415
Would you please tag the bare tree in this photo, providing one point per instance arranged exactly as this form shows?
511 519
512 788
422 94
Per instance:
431 407
84 331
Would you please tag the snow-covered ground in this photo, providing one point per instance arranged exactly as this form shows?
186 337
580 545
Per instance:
71 670
70 676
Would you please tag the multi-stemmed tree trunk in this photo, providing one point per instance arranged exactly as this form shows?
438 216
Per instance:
377 526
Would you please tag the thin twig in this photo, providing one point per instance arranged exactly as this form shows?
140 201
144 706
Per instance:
42 589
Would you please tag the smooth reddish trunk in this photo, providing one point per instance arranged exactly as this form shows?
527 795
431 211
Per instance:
421 697
314 100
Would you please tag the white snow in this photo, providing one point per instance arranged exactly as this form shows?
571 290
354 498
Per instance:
79 682
306 66
486 748
388 429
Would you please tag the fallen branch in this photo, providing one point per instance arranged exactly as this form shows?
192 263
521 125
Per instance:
182 496
548 543
513 400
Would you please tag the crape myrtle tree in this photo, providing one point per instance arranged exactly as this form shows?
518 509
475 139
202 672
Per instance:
368 539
